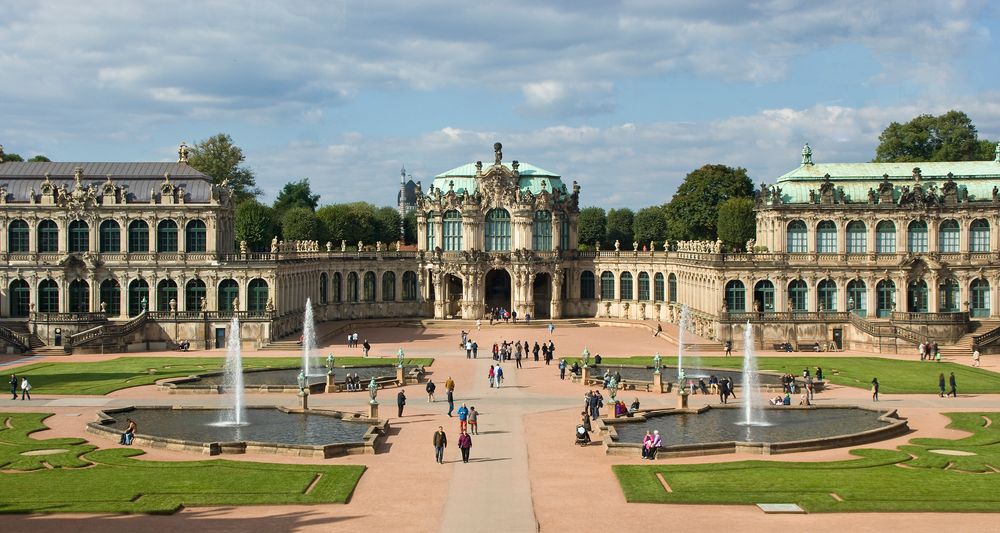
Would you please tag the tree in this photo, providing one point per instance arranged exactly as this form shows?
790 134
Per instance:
694 210
12 158
296 194
650 224
410 228
737 223
349 222
948 137
254 223
39 159
387 224
220 159
620 227
591 225
301 224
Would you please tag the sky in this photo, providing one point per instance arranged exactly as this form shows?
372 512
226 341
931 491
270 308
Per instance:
625 97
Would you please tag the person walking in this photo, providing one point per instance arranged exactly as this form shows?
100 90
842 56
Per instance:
562 369
451 402
491 375
922 349
468 349
498 376
465 445
449 384
440 443
954 388
534 351
13 387
463 417
975 356
729 348
400 402
479 325
25 388
517 356
431 387
475 350
875 386
473 420
367 347
552 327
941 385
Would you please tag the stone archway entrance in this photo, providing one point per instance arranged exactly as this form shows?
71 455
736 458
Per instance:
453 295
498 289
541 293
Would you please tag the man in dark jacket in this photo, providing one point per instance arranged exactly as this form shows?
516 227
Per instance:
400 402
440 443
954 388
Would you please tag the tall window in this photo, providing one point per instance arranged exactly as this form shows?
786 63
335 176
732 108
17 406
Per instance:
763 296
48 296
979 298
826 237
110 237
658 287
797 239
257 296
587 285
541 231
337 295
979 236
323 294
195 238
497 230
229 290
431 222
409 286
166 290
827 293
948 233
917 296
885 298
857 297
166 236
20 298
736 296
948 296
17 236
138 236
625 288
48 236
564 232
352 287
388 286
79 236
607 285
79 296
798 296
369 287
916 237
138 297
111 297
672 283
857 237
194 291
643 286
452 231
885 237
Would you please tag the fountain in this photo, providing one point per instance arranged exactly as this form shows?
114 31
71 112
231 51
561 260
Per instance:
232 381
680 344
309 365
753 414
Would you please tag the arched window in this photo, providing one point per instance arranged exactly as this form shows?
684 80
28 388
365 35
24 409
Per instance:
658 287
826 237
979 236
79 296
166 236
763 296
736 301
257 296
797 238
541 231
48 296
79 237
625 288
369 292
431 223
166 290
948 296
409 286
111 297
916 237
196 236
110 237
388 286
229 290
138 236
452 231
322 288
337 294
497 230
885 237
194 291
826 291
607 285
352 287
857 237
564 233
948 233
857 297
587 285
17 236
798 296
20 298
885 298
916 295
48 237
979 298
643 286
672 290
138 297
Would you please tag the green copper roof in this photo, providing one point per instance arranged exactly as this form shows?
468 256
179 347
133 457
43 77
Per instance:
531 179
469 170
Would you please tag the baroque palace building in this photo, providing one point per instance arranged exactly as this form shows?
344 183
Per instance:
134 256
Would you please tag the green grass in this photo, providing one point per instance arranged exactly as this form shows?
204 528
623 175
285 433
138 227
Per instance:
911 479
103 377
894 376
86 480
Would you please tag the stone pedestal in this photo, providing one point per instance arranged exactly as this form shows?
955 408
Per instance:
658 383
373 409
331 384
401 376
304 400
584 375
611 410
682 399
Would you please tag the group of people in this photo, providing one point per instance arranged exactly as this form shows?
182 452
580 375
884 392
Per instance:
470 346
352 342
495 376
929 351
468 421
499 314
25 387
517 351
951 383
352 382
441 442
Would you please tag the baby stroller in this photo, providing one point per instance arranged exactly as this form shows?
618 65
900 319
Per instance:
582 436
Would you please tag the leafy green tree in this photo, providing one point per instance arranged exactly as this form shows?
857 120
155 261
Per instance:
350 222
12 158
220 159
948 137
737 222
387 224
650 224
620 227
296 194
39 159
255 223
301 224
694 210
410 228
591 225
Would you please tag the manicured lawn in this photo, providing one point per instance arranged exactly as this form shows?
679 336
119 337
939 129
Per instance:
894 376
911 479
106 376
83 479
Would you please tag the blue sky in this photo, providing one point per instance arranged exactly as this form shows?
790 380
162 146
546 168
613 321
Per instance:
625 97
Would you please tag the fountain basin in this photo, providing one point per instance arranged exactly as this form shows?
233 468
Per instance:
715 430
271 430
286 379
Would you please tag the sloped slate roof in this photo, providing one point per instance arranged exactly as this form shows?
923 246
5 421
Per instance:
137 179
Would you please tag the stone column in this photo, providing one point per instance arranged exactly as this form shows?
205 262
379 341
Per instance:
421 232
933 227
932 294
556 229
556 307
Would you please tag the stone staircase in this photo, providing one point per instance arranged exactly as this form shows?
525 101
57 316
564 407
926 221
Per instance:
963 347
21 328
